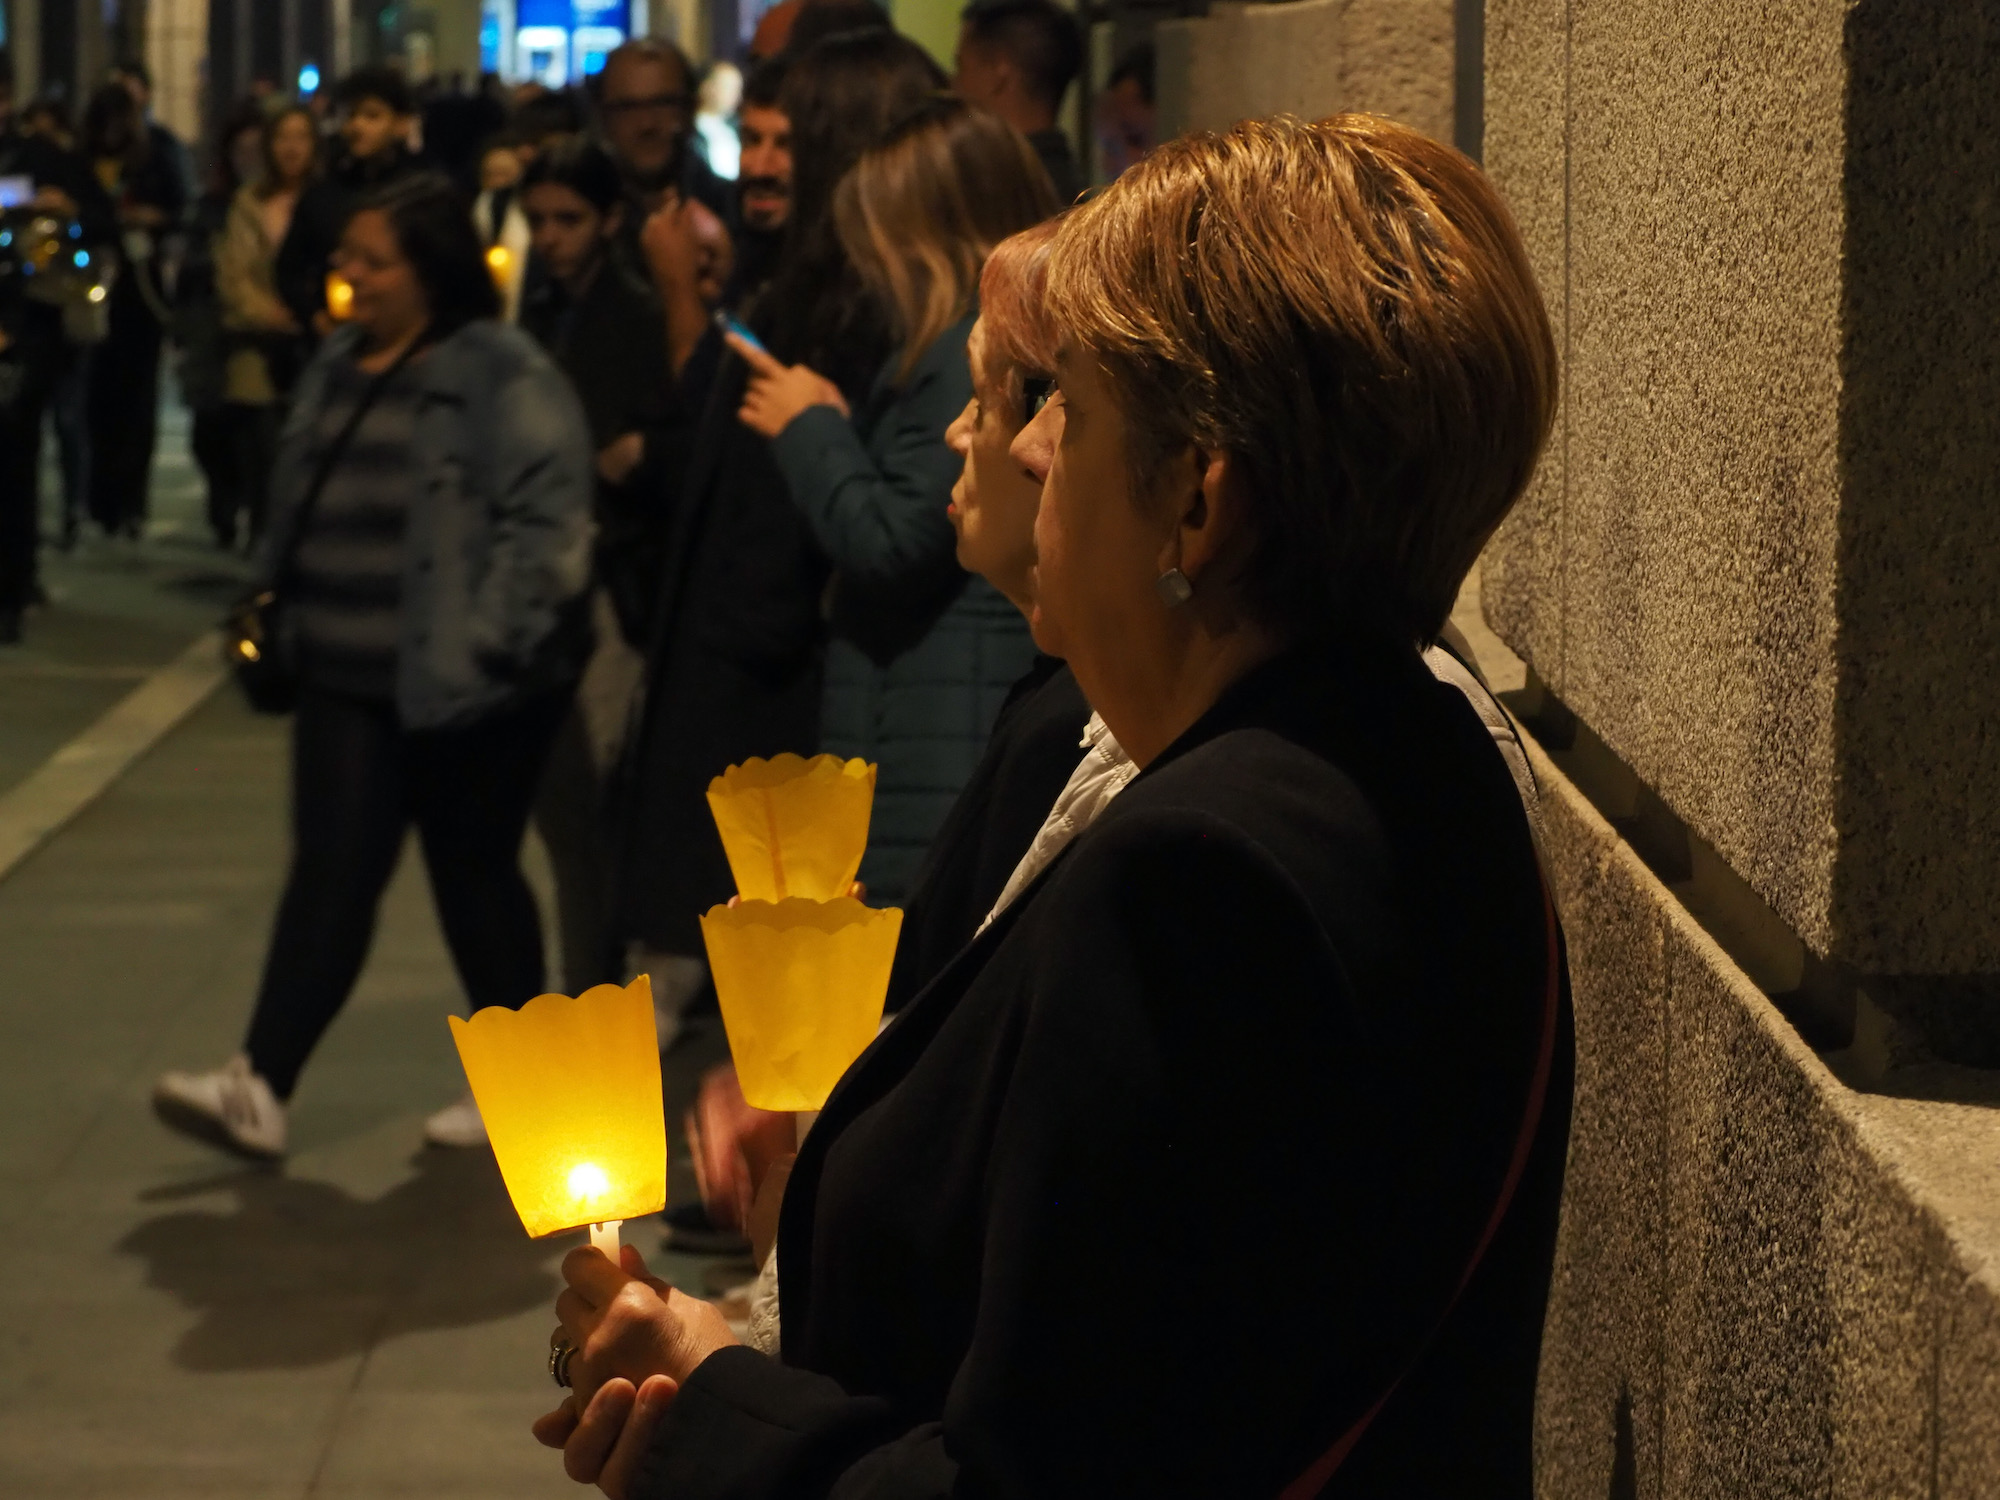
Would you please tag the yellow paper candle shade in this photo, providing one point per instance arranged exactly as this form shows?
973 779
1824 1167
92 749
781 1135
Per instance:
794 827
801 985
570 1092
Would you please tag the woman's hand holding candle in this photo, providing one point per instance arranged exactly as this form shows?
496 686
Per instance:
627 1323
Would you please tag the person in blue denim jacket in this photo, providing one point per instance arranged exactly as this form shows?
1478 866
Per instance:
430 539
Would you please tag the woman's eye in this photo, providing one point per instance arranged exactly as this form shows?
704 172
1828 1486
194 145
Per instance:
1035 393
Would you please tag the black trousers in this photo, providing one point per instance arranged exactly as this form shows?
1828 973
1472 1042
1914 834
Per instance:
234 444
122 410
358 782
27 381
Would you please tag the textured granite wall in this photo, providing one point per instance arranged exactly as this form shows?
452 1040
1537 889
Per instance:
1310 58
1761 559
1768 1285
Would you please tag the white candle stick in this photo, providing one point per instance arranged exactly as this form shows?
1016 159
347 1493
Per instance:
605 1238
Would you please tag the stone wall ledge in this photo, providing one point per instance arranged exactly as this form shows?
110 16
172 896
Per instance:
1779 1269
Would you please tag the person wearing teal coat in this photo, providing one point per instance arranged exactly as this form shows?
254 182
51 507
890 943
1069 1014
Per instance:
921 654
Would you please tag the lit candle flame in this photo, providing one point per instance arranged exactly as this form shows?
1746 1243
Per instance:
588 1180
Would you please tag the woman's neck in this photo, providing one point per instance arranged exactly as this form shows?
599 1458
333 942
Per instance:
578 286
379 353
1149 708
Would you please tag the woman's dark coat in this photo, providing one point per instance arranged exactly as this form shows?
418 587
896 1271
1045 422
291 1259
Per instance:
922 654
1302 967
1035 747
496 556
734 669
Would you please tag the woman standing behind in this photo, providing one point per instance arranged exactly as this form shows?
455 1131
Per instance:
264 342
123 401
922 654
605 332
431 534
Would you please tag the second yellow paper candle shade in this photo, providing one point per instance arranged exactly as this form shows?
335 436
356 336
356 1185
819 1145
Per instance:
794 827
801 986
570 1092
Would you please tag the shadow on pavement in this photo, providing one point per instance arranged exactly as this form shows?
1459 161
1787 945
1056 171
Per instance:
301 1273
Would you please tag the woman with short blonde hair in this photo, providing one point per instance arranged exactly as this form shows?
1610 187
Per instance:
1304 963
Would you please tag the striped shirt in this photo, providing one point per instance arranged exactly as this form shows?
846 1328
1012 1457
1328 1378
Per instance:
348 571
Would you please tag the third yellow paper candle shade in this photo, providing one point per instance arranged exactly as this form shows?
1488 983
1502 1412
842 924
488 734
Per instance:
801 967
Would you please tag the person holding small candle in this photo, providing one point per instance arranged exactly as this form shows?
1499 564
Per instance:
1306 955
1037 738
430 540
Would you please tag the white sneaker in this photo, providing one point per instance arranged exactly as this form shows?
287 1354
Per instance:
232 1107
457 1124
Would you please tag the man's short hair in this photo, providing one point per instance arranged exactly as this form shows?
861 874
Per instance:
1347 310
1040 38
132 67
548 116
766 83
384 85
651 49
824 18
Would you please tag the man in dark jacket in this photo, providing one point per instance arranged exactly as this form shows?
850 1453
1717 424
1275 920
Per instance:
33 350
764 188
645 106
374 135
1018 58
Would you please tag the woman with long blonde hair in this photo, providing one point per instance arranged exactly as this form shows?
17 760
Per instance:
922 653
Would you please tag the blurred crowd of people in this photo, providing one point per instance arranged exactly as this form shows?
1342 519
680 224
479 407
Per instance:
583 470
213 254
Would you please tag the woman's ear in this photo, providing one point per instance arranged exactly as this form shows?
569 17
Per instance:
614 220
1211 509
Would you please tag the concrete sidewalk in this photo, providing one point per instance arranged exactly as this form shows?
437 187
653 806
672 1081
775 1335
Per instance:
369 1321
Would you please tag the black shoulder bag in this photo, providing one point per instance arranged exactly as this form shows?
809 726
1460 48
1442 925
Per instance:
257 643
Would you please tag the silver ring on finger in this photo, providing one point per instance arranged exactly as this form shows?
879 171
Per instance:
561 1352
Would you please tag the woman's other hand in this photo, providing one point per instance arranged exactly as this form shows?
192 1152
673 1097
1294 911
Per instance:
626 1323
603 1447
779 392
618 458
733 1144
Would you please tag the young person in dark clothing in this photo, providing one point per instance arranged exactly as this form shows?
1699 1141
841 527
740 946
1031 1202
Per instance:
122 403
734 665
35 356
1235 973
1018 58
606 332
137 80
430 532
378 113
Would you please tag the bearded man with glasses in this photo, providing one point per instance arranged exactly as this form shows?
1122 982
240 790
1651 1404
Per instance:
645 108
